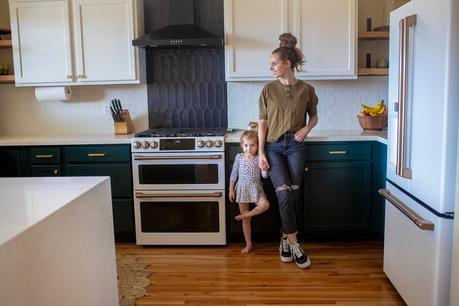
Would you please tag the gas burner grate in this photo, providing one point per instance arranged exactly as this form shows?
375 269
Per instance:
172 132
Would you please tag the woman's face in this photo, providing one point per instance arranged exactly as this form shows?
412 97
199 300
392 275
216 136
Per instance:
279 68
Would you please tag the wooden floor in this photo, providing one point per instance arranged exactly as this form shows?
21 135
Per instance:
340 274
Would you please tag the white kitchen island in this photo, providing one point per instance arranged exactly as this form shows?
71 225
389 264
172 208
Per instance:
57 242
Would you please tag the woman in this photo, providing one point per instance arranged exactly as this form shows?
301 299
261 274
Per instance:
284 104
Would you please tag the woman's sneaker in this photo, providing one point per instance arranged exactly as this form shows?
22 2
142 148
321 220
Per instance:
301 259
284 250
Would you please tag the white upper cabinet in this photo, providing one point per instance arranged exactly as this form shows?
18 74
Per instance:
41 42
76 42
326 32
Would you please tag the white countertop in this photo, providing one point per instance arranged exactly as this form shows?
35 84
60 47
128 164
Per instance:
26 201
64 139
325 135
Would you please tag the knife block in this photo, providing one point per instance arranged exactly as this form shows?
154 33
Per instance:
125 127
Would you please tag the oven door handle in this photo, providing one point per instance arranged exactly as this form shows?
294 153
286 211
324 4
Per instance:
178 195
143 157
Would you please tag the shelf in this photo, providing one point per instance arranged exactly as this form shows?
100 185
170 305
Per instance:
373 35
6 79
373 71
6 44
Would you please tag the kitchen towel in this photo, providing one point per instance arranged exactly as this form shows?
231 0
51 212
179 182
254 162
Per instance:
61 93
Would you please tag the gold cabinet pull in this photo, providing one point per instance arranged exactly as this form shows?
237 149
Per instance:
97 154
306 169
337 152
69 76
81 76
55 172
44 156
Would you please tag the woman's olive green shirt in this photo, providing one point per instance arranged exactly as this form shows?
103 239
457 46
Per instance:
285 107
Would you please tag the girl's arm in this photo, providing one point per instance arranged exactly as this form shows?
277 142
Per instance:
233 178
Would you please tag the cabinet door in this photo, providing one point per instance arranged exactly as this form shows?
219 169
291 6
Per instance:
120 176
10 163
252 29
104 30
41 42
326 33
337 197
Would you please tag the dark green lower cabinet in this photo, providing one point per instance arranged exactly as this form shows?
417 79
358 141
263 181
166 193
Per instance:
336 198
339 197
123 219
10 162
120 175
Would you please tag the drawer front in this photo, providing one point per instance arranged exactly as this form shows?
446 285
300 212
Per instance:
120 176
45 170
335 152
44 155
95 154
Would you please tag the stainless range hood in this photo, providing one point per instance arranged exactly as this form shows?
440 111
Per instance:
179 35
180 25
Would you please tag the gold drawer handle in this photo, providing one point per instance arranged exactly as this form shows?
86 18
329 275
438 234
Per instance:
337 152
97 154
44 156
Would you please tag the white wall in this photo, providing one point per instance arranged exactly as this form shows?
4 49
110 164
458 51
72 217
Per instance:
339 101
86 112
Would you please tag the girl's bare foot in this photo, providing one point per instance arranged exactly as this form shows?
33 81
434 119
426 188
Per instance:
246 250
242 216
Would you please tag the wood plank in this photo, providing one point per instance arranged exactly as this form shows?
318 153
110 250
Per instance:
6 44
342 273
373 71
376 35
6 79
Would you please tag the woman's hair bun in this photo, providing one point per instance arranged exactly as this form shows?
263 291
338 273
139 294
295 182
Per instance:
287 40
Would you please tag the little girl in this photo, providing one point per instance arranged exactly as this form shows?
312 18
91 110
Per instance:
248 187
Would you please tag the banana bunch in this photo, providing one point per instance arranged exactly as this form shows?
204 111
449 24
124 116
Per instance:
375 110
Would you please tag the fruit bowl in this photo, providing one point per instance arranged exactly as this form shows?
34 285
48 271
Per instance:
372 122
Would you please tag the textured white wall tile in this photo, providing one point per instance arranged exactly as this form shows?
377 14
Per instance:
87 111
339 101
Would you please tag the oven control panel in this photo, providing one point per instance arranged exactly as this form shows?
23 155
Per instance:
179 144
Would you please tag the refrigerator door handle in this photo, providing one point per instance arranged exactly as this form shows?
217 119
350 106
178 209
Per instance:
404 25
412 215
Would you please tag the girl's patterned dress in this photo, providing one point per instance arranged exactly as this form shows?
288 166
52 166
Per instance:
247 174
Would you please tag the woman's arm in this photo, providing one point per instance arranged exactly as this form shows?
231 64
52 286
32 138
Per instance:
262 133
303 133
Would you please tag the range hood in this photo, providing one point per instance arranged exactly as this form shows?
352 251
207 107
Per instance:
182 23
179 35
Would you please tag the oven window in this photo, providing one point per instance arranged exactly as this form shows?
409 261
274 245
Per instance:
178 174
179 217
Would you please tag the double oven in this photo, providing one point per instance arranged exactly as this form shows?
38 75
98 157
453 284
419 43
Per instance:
179 187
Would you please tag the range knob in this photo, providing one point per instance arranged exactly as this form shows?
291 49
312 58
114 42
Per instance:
153 144
145 144
201 144
209 143
218 143
136 144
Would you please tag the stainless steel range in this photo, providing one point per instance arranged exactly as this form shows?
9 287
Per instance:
179 186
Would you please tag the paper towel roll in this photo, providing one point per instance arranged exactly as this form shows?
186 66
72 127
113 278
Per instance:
62 93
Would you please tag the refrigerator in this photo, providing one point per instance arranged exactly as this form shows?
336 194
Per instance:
422 150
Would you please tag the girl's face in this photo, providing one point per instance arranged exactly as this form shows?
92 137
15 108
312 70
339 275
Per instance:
250 146
279 68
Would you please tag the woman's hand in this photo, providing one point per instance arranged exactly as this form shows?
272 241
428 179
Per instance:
263 162
301 134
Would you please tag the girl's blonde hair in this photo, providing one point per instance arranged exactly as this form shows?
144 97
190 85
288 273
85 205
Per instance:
248 135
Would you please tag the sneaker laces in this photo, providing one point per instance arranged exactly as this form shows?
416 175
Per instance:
285 245
296 249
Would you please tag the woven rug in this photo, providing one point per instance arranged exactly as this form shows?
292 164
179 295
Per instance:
132 279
